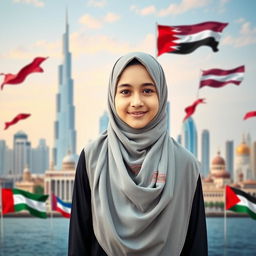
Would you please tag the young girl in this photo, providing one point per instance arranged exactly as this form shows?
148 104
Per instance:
137 192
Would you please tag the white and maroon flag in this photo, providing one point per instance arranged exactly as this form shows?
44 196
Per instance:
219 77
185 39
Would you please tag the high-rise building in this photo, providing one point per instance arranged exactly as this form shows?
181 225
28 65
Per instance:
230 157
40 157
189 136
64 130
21 154
2 157
205 153
104 122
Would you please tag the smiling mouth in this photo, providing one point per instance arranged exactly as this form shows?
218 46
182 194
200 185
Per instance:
137 113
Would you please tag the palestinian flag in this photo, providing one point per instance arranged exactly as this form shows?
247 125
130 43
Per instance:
220 77
185 39
14 200
239 201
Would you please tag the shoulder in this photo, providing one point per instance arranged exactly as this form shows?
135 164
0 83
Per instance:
95 146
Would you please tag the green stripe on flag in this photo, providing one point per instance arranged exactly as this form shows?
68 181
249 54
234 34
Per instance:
20 207
243 209
37 197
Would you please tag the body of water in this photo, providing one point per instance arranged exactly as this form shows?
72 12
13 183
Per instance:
32 236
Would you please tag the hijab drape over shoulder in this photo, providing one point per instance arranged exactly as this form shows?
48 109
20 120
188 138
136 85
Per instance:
142 182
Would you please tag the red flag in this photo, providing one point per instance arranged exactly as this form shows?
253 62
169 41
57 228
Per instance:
33 67
249 114
185 39
16 119
191 109
231 198
219 77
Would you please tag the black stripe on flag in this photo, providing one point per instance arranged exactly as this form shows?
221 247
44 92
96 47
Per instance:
246 195
185 48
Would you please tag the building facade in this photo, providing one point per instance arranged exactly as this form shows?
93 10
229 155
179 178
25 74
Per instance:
230 156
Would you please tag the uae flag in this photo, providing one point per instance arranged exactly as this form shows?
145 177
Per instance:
239 201
185 39
220 77
15 200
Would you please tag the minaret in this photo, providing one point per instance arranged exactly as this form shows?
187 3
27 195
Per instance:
64 126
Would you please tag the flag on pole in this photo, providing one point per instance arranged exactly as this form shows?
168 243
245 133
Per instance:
219 77
239 201
185 39
60 206
16 119
249 115
15 200
191 109
32 67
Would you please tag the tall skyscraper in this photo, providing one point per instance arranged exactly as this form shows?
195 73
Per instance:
2 157
205 152
40 157
64 128
21 154
230 157
104 122
189 136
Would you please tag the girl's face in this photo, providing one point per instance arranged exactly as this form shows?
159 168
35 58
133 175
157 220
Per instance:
136 99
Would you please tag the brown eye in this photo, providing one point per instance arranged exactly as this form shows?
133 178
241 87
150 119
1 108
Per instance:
125 92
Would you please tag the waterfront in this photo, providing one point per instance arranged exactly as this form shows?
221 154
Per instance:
41 237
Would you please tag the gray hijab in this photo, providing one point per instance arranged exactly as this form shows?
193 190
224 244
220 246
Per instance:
142 182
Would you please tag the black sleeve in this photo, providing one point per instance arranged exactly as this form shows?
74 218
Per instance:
196 240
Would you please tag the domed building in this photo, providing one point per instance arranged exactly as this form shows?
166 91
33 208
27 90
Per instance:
218 172
30 182
243 170
61 182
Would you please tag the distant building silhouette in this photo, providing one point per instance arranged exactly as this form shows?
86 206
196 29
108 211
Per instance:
64 130
21 153
230 157
189 136
205 152
40 157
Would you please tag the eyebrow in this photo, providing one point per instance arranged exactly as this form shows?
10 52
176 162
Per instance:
143 85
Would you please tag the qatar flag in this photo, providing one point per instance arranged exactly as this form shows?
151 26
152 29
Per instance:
217 78
185 39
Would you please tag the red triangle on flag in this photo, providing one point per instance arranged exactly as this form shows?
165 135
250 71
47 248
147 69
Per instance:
231 198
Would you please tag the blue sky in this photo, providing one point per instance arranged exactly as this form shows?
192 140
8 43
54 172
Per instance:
103 30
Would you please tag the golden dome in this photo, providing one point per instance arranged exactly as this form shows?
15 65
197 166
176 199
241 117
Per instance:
218 160
242 149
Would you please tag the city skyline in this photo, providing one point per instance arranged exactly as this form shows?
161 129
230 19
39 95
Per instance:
99 34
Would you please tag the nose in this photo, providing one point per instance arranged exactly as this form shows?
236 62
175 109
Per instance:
136 100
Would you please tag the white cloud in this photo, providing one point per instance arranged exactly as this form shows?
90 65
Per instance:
247 35
97 23
95 3
111 17
182 7
89 21
36 3
144 11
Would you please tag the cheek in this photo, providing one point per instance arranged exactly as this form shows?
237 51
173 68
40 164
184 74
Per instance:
119 105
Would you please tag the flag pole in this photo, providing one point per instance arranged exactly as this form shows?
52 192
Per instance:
225 221
2 218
